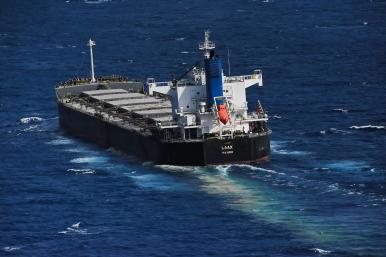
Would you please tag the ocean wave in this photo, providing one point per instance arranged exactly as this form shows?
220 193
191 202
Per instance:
81 171
341 110
347 165
334 131
60 141
321 251
96 1
369 127
185 52
31 128
287 152
276 116
279 148
75 229
321 169
155 182
174 168
90 159
179 39
11 248
33 119
225 168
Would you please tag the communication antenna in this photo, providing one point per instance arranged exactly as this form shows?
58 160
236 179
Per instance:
207 45
91 44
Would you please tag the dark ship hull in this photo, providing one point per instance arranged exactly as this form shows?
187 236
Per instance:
247 148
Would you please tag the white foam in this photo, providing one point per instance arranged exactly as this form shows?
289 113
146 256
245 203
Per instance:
11 248
321 251
176 168
368 127
152 181
74 229
286 152
180 39
347 165
184 52
96 1
76 225
334 131
60 141
90 159
81 171
31 128
340 110
225 168
28 120
276 116
333 187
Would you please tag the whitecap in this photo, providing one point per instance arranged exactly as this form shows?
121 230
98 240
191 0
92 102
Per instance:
31 128
81 171
287 152
278 144
248 166
28 120
73 150
60 141
180 39
334 131
75 229
96 1
276 116
175 168
333 187
223 169
89 159
341 110
184 52
11 248
347 165
321 251
368 127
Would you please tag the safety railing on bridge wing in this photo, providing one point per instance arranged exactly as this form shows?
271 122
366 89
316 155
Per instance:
257 74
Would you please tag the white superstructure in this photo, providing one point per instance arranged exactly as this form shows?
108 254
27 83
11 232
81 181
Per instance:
190 102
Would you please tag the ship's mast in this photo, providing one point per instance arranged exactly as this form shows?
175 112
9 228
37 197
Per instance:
91 44
207 45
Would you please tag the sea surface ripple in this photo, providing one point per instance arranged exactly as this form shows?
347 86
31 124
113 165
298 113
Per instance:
323 193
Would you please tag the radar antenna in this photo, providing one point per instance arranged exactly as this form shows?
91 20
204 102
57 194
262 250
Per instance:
207 45
91 44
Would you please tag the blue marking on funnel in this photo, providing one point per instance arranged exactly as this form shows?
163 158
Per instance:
214 88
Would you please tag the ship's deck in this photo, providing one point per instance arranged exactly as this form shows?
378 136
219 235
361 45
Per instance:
157 109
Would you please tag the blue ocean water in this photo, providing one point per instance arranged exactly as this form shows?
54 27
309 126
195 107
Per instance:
322 194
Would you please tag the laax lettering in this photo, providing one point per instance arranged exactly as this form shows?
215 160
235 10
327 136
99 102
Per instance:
227 149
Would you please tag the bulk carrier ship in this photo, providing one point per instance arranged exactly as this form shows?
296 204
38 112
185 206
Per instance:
198 119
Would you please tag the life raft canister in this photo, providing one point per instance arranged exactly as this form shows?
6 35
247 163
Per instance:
222 113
